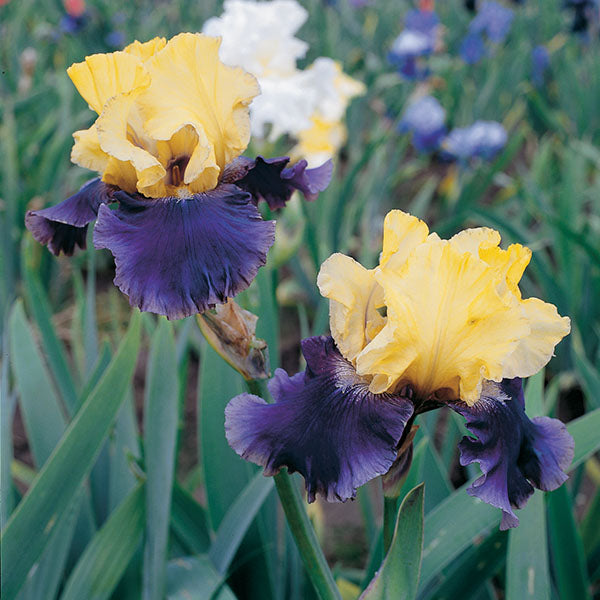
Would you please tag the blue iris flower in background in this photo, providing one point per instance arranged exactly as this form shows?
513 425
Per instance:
482 139
414 43
540 61
425 119
493 21
472 49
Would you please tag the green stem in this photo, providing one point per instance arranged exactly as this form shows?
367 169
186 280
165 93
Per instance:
390 512
306 540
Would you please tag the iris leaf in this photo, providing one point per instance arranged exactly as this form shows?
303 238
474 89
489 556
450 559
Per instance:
567 548
101 566
195 577
398 576
160 434
234 525
60 478
527 569
189 521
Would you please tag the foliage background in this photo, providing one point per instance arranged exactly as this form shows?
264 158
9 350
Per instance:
145 495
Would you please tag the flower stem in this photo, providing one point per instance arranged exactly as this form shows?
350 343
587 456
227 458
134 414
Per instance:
390 512
306 540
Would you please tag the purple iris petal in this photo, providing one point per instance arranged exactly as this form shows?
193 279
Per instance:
540 61
64 226
515 454
494 20
324 424
424 21
407 48
179 256
424 118
472 48
269 179
483 139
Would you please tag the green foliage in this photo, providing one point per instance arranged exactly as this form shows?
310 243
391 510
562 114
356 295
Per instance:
116 477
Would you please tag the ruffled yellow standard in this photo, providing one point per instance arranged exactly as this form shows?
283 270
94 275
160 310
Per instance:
454 315
171 115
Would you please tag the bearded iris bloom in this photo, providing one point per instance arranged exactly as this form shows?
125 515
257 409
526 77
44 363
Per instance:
482 139
175 203
425 119
416 42
436 323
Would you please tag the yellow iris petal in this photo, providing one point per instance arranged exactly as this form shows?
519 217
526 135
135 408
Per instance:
402 233
319 142
122 137
534 351
454 316
445 308
87 152
145 50
103 76
354 298
191 86
471 240
511 263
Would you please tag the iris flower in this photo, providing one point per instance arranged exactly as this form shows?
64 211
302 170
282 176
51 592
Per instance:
425 119
306 104
436 323
482 139
175 203
416 41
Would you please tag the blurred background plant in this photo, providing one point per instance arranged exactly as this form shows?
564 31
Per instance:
120 436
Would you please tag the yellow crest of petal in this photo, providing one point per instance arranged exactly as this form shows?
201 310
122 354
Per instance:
511 263
191 86
144 50
402 233
86 151
122 137
472 240
447 328
354 297
534 351
102 76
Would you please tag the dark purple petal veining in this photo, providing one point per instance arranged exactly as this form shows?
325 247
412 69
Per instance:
515 453
64 226
324 424
179 256
269 179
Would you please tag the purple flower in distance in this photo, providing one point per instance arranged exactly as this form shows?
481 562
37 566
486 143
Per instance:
415 42
425 119
328 426
493 20
540 61
472 48
482 139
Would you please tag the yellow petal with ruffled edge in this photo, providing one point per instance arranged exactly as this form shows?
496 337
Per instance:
511 263
191 86
145 50
354 297
534 351
122 137
86 151
103 76
402 233
445 312
472 240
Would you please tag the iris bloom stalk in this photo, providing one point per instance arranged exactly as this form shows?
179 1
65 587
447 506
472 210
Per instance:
176 203
436 323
